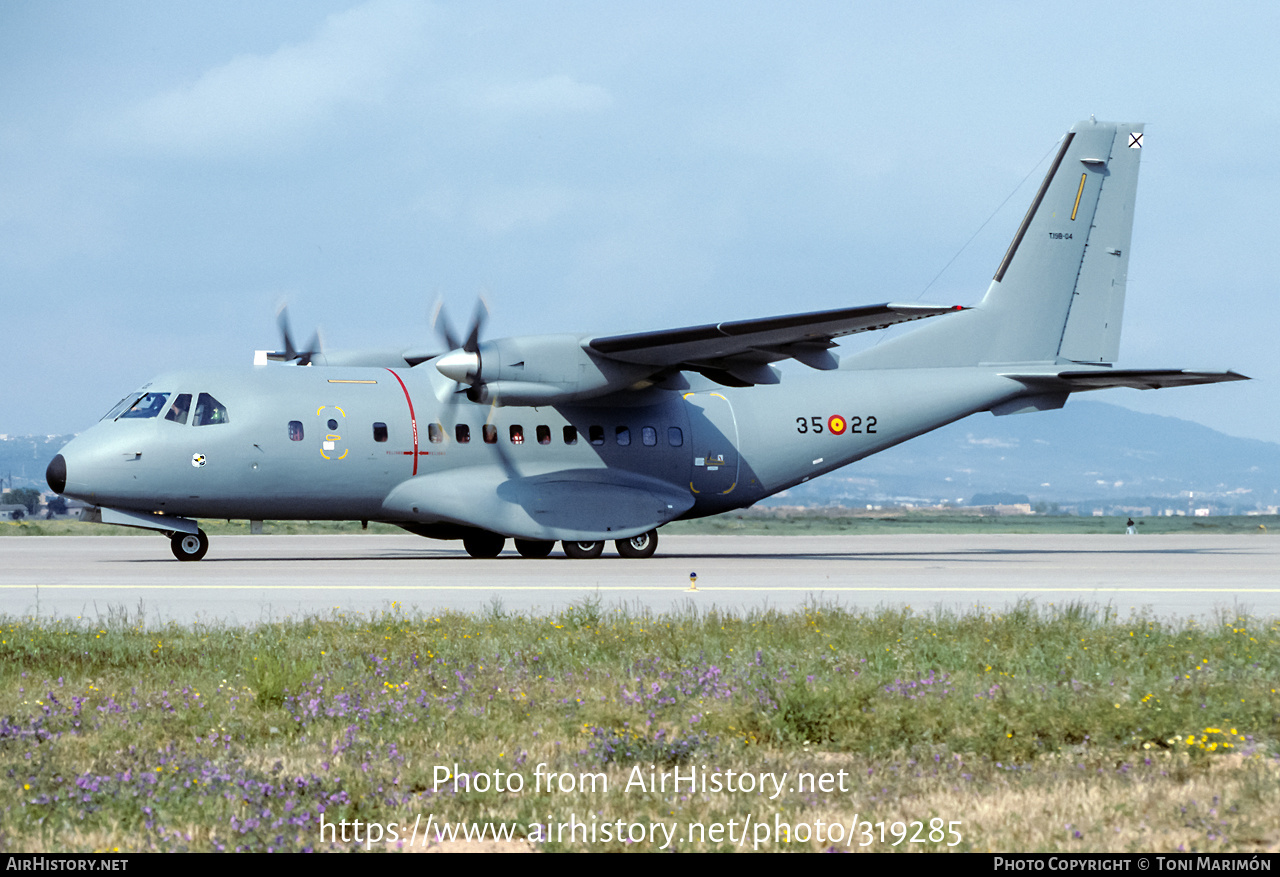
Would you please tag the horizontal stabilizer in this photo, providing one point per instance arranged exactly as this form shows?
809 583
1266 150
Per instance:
1077 381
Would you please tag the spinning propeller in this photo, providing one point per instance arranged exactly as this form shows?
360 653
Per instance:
290 352
462 363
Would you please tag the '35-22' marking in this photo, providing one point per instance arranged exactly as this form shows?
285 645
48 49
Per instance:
836 424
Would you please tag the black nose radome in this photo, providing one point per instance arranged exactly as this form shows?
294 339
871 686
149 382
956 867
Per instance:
56 474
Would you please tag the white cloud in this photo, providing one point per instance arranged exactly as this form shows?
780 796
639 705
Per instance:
992 442
257 102
549 95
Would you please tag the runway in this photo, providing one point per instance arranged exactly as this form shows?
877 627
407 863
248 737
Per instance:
249 579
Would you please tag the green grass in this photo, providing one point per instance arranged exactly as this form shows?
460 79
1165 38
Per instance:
1042 728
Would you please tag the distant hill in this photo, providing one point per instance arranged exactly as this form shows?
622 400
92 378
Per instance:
26 457
1088 453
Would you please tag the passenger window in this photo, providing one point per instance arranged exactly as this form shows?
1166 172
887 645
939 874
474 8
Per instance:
675 437
623 435
490 434
570 435
150 405
597 435
181 407
209 411
295 430
517 434
544 435
462 433
379 432
435 433
649 436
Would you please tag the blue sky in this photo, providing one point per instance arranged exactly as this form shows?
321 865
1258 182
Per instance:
171 173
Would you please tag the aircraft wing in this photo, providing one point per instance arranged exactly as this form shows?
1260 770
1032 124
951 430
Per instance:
1138 379
754 343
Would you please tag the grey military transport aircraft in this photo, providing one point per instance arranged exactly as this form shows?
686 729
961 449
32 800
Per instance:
583 439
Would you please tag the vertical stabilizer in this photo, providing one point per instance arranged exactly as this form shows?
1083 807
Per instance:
1058 293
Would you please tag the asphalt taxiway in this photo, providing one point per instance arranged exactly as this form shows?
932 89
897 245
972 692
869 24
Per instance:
248 579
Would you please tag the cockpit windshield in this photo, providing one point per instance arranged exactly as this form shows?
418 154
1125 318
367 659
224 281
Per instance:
148 405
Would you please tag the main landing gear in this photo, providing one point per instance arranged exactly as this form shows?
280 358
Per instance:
638 547
189 546
583 550
483 544
529 548
635 548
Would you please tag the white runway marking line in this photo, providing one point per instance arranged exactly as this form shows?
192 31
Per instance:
708 589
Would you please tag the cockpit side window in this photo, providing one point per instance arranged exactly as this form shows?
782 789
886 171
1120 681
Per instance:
181 408
209 411
150 405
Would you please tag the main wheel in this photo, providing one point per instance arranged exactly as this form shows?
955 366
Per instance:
583 550
189 546
638 546
484 544
532 548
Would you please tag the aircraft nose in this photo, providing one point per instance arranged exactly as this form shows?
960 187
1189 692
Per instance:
56 474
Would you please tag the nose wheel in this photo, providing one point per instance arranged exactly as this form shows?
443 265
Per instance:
189 546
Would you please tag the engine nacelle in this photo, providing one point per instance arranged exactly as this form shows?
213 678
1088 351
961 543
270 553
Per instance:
539 370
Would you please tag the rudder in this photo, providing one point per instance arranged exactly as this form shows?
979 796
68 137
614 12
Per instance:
1092 331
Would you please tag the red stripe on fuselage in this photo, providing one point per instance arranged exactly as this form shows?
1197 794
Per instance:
413 420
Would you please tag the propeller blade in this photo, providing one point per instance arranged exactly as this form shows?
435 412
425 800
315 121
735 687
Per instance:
304 356
477 324
282 320
462 363
291 353
440 325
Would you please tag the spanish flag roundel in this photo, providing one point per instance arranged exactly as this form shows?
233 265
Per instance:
836 424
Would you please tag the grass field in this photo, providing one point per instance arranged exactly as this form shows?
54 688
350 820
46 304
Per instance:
1054 729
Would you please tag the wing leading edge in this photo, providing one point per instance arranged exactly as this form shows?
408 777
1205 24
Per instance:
746 344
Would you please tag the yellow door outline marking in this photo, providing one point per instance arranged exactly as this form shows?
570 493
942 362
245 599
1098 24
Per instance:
1079 192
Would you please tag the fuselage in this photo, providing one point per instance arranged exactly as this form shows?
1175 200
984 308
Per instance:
277 442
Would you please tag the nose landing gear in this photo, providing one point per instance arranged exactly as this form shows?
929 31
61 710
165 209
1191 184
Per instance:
189 546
